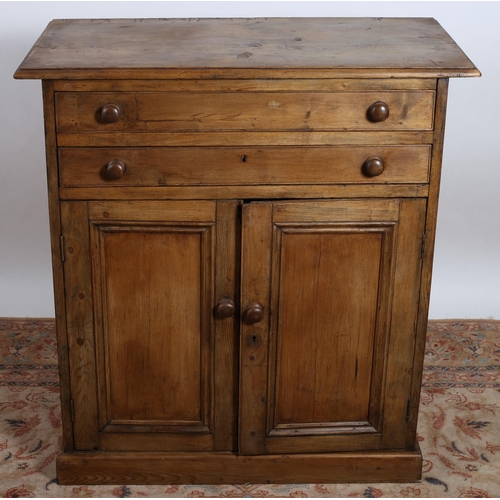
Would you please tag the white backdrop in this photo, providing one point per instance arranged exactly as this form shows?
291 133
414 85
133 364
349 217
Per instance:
467 261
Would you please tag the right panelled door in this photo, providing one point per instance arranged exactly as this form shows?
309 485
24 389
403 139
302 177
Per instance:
330 298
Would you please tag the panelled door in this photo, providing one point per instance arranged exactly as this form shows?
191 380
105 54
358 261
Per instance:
324 327
152 367
329 299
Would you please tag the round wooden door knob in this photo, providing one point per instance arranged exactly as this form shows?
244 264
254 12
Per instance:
114 170
225 308
253 313
111 113
378 112
373 166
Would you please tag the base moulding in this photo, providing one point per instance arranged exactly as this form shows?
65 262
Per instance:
157 468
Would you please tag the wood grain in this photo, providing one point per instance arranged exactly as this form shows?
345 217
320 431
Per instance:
326 370
245 48
80 324
79 112
403 321
153 211
345 191
154 285
156 441
268 138
336 211
57 264
255 279
427 259
227 258
228 468
83 167
152 307
270 85
323 444
328 287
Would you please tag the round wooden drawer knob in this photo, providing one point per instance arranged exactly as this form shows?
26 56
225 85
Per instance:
225 308
378 112
111 113
253 313
114 170
373 166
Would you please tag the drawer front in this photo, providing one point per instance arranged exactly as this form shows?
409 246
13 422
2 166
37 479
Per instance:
85 167
295 111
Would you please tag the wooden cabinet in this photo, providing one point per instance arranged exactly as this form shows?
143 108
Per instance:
242 218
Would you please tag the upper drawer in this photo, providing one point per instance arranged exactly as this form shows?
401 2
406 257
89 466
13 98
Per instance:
279 111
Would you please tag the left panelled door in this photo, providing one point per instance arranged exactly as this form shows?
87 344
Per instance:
142 281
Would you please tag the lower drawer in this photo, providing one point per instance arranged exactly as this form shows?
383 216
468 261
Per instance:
81 167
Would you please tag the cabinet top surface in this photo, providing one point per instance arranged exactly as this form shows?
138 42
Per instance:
245 48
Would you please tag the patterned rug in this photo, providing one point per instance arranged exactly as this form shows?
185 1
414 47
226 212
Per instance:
459 425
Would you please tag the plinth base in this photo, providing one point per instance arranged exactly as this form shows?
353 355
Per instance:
229 468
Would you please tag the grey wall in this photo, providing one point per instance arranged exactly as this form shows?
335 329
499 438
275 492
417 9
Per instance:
467 261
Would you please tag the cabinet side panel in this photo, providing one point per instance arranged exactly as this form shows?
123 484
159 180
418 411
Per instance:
403 321
57 265
428 255
80 323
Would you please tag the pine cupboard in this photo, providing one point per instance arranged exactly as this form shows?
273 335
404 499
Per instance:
243 215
